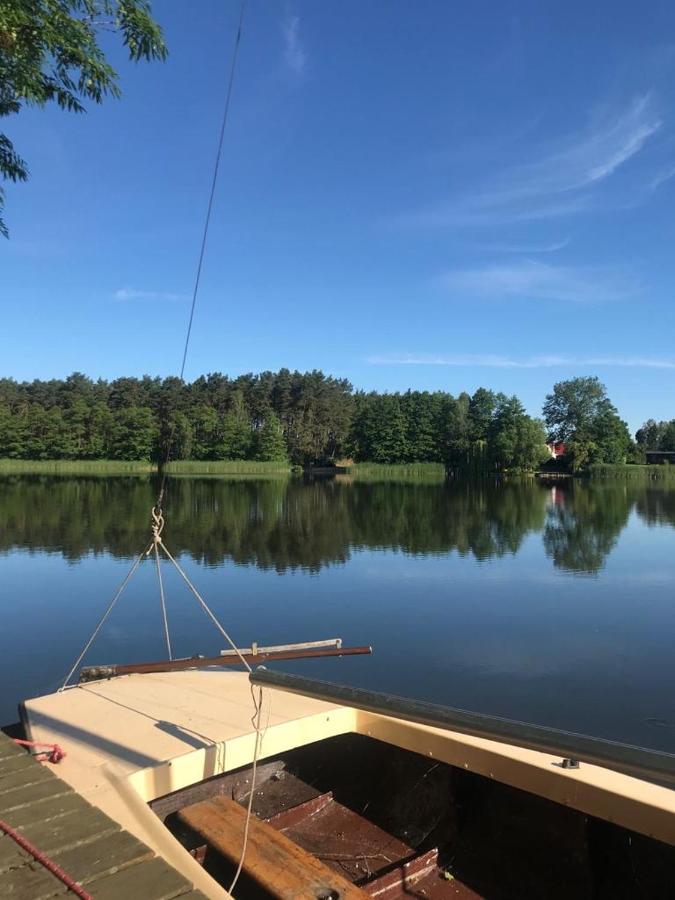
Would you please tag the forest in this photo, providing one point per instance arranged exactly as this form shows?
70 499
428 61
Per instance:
304 419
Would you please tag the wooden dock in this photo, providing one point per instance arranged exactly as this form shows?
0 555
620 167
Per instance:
90 847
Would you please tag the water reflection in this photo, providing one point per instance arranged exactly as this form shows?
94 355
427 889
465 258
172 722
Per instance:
583 525
285 524
656 506
463 589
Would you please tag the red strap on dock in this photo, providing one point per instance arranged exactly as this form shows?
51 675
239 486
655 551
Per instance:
44 860
54 753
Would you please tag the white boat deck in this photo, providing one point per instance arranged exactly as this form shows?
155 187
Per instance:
134 738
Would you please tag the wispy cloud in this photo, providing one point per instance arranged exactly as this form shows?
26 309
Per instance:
495 361
489 208
661 177
127 293
564 179
540 281
551 247
295 55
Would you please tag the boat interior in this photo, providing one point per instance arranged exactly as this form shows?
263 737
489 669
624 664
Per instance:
349 802
354 816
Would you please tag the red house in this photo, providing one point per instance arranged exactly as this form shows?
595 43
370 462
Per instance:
557 448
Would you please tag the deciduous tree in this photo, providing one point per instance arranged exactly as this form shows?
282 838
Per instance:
580 413
50 53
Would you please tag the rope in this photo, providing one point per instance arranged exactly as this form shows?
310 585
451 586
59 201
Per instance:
54 753
45 861
157 526
255 721
206 608
163 604
101 621
207 222
158 519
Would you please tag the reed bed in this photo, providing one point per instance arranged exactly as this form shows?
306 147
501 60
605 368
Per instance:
632 472
76 467
404 472
226 467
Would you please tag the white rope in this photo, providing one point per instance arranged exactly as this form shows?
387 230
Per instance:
255 721
157 526
163 603
105 615
257 705
206 608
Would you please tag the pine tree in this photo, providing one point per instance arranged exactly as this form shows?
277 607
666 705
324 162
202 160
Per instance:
235 438
270 445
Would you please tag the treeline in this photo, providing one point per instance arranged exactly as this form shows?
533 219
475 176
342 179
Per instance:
656 435
300 417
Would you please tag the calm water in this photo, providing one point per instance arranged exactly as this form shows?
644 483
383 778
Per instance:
551 604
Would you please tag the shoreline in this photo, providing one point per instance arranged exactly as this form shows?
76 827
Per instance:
422 471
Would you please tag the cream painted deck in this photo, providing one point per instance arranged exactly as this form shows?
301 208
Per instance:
135 738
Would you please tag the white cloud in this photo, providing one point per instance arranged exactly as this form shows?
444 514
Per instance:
495 361
490 208
295 56
663 176
586 158
134 294
540 281
551 247
563 181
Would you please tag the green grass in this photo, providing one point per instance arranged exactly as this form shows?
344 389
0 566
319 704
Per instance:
408 471
75 467
227 467
632 472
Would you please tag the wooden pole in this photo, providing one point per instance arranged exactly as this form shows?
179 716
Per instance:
92 673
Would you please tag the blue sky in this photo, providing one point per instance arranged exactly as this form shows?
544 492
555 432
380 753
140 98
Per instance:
425 195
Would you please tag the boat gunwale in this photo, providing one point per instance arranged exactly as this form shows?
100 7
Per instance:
124 790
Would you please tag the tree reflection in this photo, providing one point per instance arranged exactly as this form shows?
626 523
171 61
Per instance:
583 526
284 524
656 506
273 524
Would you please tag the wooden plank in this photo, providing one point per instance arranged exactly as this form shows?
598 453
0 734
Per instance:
403 878
53 787
277 864
151 880
287 818
11 855
15 764
21 778
68 831
235 785
85 842
48 809
29 883
104 856
8 748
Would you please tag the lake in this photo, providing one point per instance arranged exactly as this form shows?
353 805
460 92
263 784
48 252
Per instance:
547 602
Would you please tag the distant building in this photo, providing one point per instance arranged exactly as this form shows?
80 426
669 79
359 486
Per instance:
658 457
557 449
